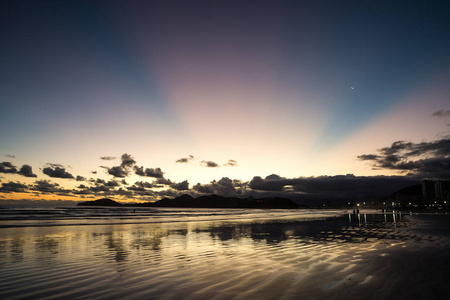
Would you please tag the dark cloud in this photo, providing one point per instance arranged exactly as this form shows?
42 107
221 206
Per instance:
141 186
101 187
272 183
442 113
149 172
231 163
181 186
48 187
142 189
98 189
185 159
426 159
57 172
225 187
54 165
163 181
26 171
139 171
368 157
93 172
80 178
156 173
125 167
341 188
112 183
7 167
108 157
99 181
13 187
118 171
210 164
127 161
169 193
203 188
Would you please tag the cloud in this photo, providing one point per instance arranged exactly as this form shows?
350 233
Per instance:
48 187
93 172
224 186
209 164
80 178
9 155
112 183
185 160
108 157
54 165
141 186
26 171
7 167
118 171
149 172
163 181
125 167
231 163
442 113
13 187
273 183
98 181
368 157
181 186
426 159
127 161
203 188
340 188
57 172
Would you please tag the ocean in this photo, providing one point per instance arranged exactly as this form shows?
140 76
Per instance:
78 215
173 253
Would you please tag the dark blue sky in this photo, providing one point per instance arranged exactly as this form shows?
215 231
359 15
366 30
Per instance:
294 83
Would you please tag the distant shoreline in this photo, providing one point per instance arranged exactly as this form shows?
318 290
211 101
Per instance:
210 201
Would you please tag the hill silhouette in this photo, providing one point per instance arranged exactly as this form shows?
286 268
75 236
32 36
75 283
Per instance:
209 201
216 201
100 202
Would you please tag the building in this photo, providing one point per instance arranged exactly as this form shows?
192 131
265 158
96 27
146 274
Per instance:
436 192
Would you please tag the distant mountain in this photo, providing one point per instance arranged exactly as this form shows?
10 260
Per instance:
210 201
100 202
216 201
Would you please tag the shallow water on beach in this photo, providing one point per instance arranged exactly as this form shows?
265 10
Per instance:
248 256
64 216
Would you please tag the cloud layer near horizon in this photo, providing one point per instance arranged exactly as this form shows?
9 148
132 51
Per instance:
417 161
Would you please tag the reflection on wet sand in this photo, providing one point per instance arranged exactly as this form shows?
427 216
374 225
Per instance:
198 260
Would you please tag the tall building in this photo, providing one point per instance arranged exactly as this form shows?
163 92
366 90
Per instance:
436 191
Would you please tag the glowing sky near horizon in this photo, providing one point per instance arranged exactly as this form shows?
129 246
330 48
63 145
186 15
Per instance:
294 88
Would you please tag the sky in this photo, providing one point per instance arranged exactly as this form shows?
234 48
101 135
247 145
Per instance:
140 100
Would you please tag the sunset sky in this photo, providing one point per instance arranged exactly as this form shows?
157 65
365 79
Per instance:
138 100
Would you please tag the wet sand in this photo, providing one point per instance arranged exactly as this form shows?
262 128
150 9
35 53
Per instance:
330 258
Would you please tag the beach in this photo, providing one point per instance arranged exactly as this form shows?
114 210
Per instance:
226 254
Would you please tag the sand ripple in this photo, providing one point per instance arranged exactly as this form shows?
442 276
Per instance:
330 259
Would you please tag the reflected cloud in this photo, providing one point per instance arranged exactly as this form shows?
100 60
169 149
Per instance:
46 248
